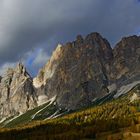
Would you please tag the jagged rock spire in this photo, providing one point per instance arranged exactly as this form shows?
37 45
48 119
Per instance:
17 94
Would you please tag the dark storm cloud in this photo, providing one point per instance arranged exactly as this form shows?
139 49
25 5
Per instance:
25 24
28 24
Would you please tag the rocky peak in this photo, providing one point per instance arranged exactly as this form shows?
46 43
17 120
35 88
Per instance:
130 39
17 94
79 40
126 63
20 67
100 45
131 43
127 47
57 53
93 36
48 70
76 72
21 70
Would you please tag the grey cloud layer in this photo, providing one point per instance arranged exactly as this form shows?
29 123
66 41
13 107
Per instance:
25 24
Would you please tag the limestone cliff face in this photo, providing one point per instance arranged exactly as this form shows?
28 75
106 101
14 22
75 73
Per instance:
81 71
16 92
49 69
76 72
126 63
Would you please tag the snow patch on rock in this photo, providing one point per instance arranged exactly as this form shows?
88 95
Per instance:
126 88
50 102
42 99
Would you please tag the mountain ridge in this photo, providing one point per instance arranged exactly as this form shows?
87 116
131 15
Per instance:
77 73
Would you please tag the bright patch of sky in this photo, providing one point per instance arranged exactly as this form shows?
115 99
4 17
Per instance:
36 59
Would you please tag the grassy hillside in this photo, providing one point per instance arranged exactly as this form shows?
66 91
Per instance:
113 120
43 112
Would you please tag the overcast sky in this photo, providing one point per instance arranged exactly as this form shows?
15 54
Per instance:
31 29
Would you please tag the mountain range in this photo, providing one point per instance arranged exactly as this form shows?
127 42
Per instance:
80 74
